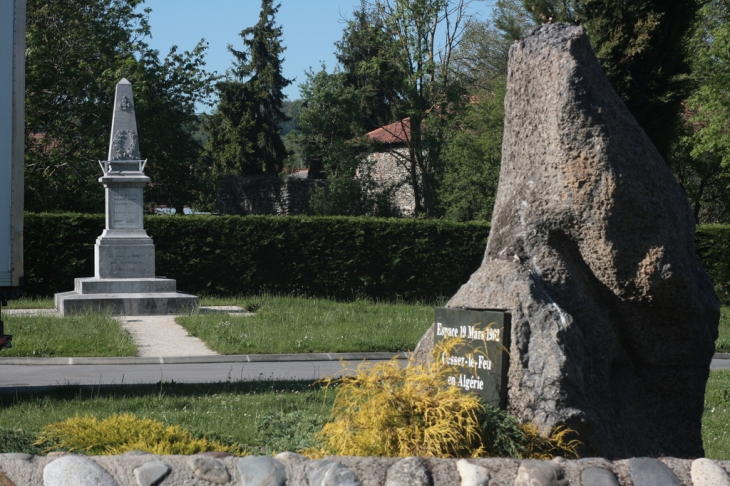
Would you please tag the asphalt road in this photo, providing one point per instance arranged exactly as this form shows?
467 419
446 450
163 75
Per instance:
13 377
17 376
720 364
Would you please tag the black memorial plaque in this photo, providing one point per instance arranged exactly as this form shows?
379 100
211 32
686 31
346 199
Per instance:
480 362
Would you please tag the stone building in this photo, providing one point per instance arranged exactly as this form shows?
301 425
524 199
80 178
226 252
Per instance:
387 165
385 168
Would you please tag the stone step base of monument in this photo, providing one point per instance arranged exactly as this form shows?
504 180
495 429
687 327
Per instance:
153 285
127 304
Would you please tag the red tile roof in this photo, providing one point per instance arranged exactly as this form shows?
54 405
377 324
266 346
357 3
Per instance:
398 132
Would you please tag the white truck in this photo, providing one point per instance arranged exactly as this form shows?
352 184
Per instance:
12 125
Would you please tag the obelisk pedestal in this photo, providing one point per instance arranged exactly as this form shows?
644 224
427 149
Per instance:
124 279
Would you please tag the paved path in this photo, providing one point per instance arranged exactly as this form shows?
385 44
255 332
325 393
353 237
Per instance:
162 336
28 373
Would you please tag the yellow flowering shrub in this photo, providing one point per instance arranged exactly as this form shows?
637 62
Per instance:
394 411
122 433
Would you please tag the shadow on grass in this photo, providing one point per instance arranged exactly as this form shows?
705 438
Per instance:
258 415
15 395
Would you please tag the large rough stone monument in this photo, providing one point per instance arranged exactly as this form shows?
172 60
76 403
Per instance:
592 252
124 280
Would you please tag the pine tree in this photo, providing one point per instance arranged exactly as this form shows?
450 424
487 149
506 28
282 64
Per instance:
641 45
370 62
245 130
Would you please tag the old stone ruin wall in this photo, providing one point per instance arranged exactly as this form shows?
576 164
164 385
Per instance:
265 194
391 176
289 195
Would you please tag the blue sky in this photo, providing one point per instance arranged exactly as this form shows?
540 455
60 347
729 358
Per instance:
310 28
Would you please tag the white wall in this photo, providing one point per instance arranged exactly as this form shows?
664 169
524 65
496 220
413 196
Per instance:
12 119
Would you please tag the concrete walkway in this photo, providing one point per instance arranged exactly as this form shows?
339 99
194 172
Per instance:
162 336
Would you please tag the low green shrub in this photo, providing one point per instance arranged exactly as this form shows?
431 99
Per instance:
17 440
56 249
288 431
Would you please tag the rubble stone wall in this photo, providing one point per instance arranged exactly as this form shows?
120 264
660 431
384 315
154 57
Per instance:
392 176
265 195
142 469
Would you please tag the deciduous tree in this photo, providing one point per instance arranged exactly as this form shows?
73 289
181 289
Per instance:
426 33
473 148
332 141
77 50
701 157
167 92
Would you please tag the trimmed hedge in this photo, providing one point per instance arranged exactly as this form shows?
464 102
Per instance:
338 257
712 245
56 249
319 256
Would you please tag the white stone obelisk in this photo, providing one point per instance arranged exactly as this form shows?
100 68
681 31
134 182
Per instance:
124 279
124 250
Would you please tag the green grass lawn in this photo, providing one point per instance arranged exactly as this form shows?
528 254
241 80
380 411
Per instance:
722 345
80 335
716 417
302 325
264 417
288 307
31 303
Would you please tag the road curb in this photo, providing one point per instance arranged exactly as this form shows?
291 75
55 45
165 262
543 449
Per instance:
231 358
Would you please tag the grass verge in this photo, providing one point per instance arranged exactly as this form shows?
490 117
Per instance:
304 325
262 417
391 327
716 416
722 345
88 334
31 303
